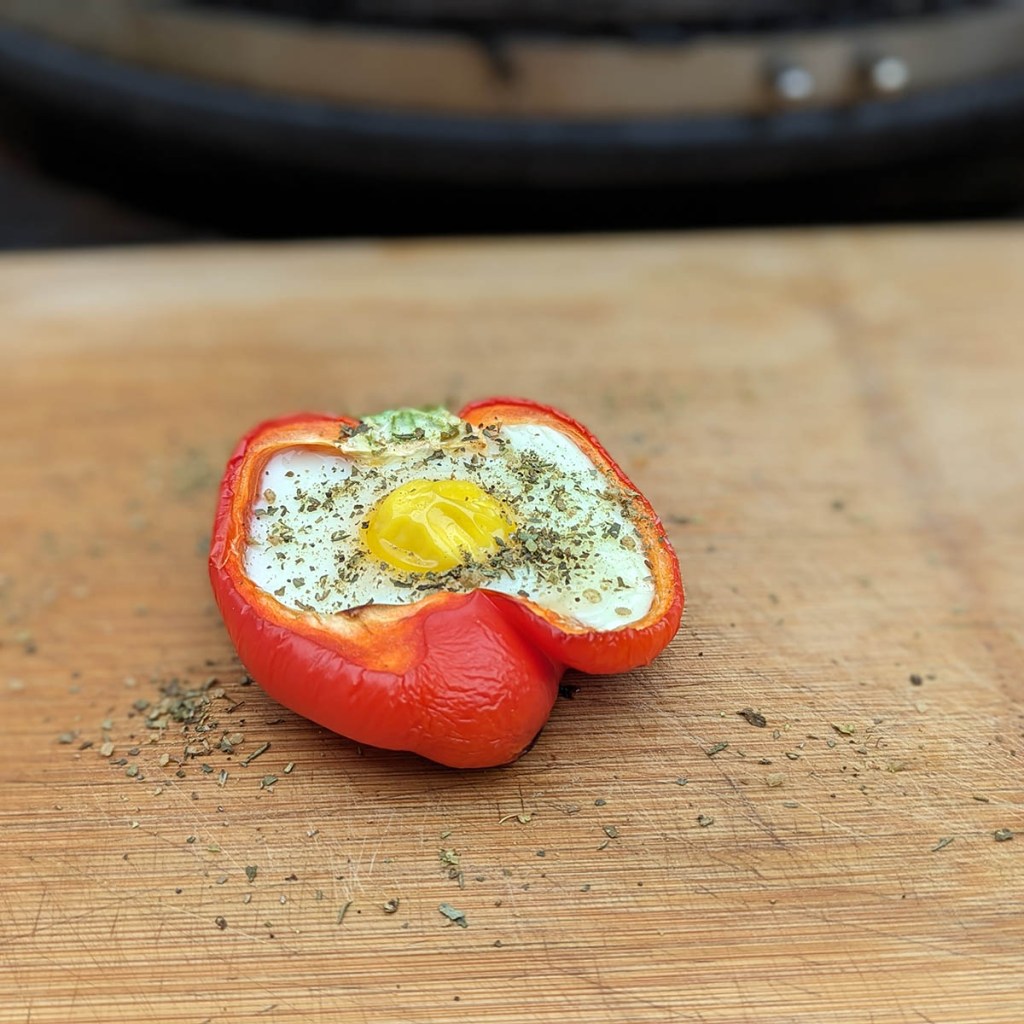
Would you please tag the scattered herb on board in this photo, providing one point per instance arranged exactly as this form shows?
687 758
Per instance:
716 748
916 680
390 906
1002 835
611 831
343 910
455 916
753 717
844 728
449 859
523 817
704 820
249 758
192 707
942 843
250 872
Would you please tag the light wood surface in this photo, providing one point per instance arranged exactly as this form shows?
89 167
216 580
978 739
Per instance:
832 425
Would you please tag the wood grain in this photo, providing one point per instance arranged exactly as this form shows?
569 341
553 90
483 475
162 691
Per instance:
831 424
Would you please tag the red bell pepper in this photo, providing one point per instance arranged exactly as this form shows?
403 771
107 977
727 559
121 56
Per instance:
467 679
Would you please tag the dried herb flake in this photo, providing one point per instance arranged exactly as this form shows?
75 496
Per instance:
261 749
455 916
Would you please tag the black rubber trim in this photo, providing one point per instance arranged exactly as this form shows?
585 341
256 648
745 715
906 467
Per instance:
616 18
163 109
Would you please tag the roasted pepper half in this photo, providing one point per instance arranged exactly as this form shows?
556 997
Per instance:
420 581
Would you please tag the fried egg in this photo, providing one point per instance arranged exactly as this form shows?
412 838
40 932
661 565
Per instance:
414 503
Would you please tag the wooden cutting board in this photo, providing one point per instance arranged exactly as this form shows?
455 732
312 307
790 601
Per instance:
831 425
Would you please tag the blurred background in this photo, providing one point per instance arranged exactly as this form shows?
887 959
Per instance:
159 120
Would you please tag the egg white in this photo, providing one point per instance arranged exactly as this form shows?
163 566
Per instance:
576 551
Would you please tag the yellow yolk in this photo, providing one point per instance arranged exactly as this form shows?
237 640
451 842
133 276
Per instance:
435 525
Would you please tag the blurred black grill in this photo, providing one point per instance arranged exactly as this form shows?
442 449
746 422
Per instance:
278 117
630 17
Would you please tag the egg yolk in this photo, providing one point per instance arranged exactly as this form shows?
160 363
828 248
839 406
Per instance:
435 525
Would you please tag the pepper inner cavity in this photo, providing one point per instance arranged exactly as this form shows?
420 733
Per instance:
331 530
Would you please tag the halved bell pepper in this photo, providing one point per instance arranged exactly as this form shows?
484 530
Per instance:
465 675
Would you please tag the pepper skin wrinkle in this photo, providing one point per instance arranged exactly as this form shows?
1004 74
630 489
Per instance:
459 670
